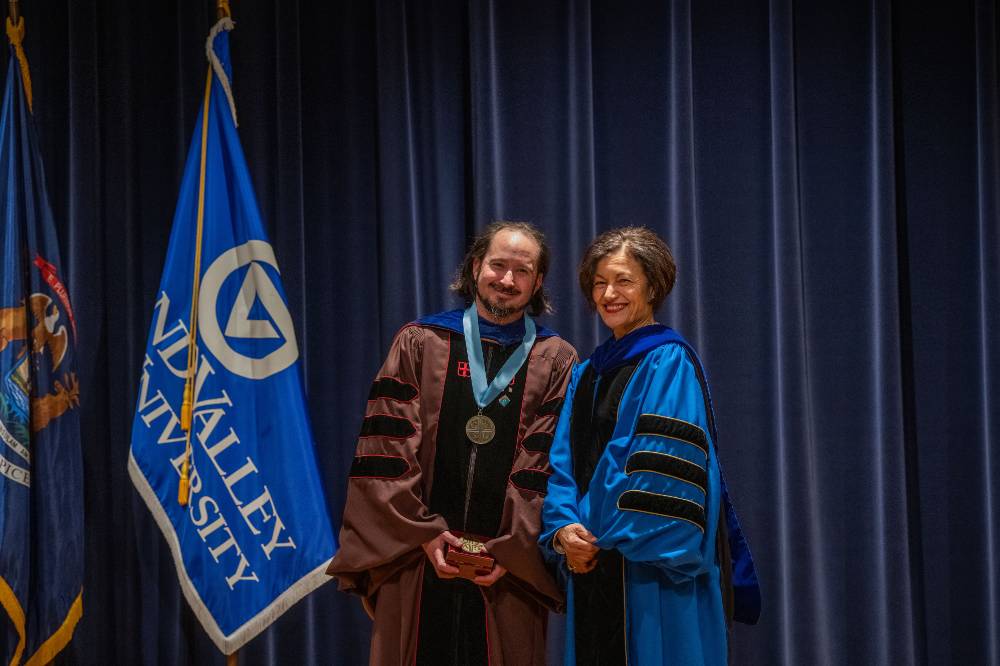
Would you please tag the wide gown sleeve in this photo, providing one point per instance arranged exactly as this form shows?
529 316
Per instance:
655 492
385 518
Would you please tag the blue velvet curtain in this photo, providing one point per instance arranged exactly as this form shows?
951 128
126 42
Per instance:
828 175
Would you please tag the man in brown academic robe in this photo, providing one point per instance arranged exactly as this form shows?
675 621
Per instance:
419 481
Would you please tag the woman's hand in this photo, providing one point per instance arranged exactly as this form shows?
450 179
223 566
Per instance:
578 542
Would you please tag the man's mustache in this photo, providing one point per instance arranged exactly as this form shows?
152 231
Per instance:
510 291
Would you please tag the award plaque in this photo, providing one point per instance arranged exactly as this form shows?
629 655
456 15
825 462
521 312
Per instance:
471 558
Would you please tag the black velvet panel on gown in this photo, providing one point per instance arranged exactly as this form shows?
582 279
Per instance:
453 612
598 596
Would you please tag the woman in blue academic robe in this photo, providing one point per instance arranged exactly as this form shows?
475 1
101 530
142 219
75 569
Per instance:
633 505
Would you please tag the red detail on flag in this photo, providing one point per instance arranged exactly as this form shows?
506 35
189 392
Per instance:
463 369
48 272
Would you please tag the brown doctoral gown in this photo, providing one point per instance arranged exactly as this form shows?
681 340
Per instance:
413 478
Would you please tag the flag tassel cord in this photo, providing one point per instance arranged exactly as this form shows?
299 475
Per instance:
184 487
187 405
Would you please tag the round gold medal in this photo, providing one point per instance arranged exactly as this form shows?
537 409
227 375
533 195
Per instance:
480 429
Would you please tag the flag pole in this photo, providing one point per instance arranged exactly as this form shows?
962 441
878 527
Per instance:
222 11
15 11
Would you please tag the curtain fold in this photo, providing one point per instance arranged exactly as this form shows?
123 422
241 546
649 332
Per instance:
987 29
792 411
828 176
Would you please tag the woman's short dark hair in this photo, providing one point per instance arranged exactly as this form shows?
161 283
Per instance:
464 283
643 245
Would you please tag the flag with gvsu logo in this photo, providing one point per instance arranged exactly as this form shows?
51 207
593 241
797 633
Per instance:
222 449
41 484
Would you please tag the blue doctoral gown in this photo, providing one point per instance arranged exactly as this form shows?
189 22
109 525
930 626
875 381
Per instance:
655 497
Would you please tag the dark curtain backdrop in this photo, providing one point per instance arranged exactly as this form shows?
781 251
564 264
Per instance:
827 173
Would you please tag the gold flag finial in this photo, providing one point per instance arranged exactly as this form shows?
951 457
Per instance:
15 33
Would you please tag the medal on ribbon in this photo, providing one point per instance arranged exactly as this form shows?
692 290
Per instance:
480 429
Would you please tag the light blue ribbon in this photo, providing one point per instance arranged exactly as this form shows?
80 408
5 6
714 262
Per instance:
484 394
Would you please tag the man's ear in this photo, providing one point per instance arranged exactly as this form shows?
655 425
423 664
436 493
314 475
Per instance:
538 284
476 263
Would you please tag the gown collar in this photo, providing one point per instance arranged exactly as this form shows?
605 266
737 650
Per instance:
506 334
614 353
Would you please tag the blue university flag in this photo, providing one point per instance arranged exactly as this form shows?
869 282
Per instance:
41 484
254 535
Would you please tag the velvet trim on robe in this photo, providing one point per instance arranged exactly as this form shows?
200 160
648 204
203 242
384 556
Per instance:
387 516
655 498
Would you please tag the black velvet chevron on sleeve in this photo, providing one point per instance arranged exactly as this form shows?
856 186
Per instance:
664 426
378 467
663 505
537 443
668 465
384 425
393 389
534 480
551 407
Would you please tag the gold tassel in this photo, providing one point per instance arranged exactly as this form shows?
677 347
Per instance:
184 487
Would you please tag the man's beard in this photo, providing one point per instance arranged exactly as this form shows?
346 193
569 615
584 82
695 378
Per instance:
497 311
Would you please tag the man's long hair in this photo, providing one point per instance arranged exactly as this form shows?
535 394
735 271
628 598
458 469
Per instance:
465 282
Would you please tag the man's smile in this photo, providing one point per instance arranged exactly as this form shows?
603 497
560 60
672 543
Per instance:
506 291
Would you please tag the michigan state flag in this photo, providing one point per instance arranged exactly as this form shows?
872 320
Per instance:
41 489
249 530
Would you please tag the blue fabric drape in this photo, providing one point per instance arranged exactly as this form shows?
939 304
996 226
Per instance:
828 175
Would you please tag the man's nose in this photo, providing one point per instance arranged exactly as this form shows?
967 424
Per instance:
508 278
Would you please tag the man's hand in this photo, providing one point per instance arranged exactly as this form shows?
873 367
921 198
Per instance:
578 542
491 577
435 553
